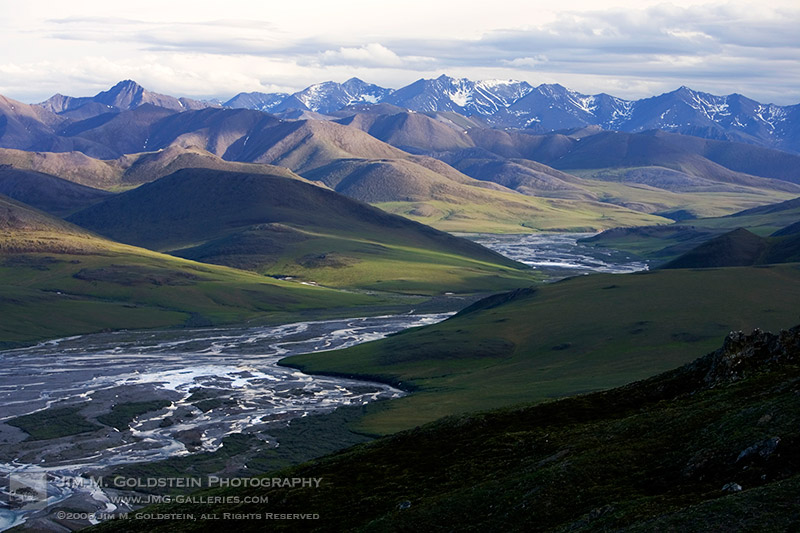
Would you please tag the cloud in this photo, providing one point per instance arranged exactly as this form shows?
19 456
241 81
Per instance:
741 46
715 48
224 36
524 62
371 55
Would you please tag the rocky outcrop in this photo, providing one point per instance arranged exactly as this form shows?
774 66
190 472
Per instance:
742 355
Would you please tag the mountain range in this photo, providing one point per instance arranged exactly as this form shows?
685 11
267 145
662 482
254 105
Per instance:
552 107
496 103
441 167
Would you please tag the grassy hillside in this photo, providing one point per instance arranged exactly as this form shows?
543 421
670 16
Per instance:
72 166
284 227
129 170
57 279
421 188
581 334
499 213
711 446
668 242
740 248
48 193
150 166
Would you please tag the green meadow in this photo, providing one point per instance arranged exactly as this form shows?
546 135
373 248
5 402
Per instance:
522 214
45 295
582 334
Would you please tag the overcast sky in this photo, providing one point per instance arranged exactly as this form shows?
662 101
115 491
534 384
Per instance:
630 49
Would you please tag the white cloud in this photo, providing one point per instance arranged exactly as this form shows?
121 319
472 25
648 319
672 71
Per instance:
371 55
634 47
524 62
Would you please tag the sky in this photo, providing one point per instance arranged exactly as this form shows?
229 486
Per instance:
204 49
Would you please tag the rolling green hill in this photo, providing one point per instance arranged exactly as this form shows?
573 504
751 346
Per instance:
736 248
284 227
72 166
129 170
740 248
581 334
48 193
57 279
665 243
710 446
150 166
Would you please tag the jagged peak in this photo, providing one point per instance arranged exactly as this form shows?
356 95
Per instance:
126 85
552 88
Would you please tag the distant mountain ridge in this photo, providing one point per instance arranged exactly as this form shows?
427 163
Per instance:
423 165
125 95
552 107
500 104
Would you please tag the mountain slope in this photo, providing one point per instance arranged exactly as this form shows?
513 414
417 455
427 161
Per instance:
305 145
57 279
24 126
48 193
651 174
128 170
501 103
644 172
736 248
76 167
668 242
256 100
412 132
551 107
331 152
150 166
460 95
330 96
742 248
429 191
680 152
284 227
24 229
709 446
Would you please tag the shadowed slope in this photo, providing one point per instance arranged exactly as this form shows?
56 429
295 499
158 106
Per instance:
669 242
742 248
48 193
710 446
736 248
283 226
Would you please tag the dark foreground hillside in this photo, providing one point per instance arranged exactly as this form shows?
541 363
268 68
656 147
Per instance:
711 446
